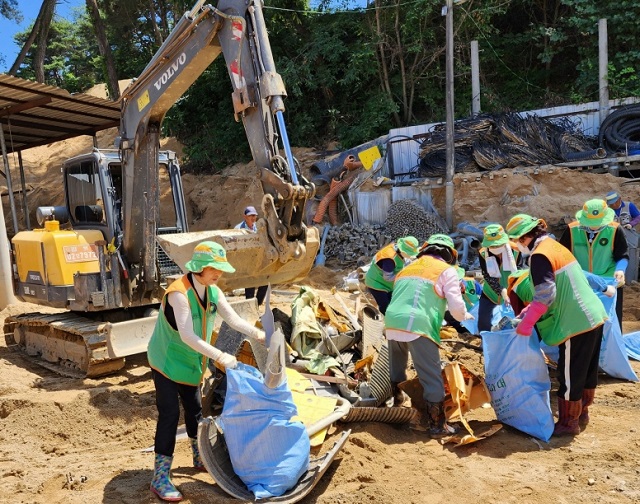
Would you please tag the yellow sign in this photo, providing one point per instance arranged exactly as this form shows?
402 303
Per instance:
369 156
143 101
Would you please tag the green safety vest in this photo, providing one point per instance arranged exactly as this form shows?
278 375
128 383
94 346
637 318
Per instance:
374 278
415 306
494 296
597 256
167 353
470 296
577 308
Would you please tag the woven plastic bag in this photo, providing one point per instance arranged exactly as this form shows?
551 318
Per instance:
613 352
632 343
518 381
268 451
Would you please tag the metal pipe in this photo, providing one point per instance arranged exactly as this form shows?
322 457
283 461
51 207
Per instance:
342 410
25 207
12 202
287 148
451 165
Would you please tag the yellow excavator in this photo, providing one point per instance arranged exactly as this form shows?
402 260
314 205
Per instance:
106 257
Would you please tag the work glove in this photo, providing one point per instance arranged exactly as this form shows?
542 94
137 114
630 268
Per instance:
261 337
534 311
627 226
610 291
515 322
468 316
619 277
226 360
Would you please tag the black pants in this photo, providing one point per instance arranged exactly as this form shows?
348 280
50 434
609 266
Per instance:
619 305
485 313
383 298
169 394
250 292
578 364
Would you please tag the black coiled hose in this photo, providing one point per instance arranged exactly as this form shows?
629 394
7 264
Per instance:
620 131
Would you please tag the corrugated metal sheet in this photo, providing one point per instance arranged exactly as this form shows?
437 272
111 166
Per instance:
371 207
34 114
421 194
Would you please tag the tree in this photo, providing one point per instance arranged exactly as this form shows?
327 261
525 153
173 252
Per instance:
105 50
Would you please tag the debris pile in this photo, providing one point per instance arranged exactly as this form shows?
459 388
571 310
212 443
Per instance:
355 244
509 140
352 244
409 218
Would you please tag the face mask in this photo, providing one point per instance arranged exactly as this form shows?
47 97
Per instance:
524 250
497 250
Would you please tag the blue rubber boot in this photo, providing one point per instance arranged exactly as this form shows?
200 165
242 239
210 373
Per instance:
197 460
161 483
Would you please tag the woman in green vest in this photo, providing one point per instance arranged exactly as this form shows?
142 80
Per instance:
421 293
498 259
178 352
566 313
599 245
384 267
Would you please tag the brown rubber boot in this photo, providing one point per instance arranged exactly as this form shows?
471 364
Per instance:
568 414
399 397
587 400
438 426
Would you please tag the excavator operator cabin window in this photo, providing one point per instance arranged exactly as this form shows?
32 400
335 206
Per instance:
84 193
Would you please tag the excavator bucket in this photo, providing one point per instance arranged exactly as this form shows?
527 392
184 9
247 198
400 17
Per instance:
253 255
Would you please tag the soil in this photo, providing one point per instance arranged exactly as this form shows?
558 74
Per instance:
66 440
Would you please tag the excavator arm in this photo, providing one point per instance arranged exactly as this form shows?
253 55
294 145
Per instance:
236 29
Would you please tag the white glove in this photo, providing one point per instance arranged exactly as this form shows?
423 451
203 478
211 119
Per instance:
619 277
627 226
505 297
468 316
610 291
226 360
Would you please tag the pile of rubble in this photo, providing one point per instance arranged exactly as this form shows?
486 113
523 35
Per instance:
352 244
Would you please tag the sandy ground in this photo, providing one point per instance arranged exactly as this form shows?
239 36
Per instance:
66 440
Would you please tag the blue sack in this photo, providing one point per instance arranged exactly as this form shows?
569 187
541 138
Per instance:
499 311
268 451
613 352
632 342
518 381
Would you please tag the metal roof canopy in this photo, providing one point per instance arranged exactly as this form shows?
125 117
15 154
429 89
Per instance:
33 114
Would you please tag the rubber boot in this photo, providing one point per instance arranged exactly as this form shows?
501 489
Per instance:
197 460
438 426
568 415
161 483
587 400
399 397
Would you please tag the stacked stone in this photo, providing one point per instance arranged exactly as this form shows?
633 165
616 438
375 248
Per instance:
355 245
409 218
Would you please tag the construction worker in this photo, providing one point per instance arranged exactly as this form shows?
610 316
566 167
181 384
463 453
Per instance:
627 214
339 184
599 245
566 313
385 266
498 259
421 294
178 352
249 223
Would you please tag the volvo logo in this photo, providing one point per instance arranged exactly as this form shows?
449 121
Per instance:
164 78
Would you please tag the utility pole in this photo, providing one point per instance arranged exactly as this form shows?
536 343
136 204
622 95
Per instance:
450 157
475 78
603 69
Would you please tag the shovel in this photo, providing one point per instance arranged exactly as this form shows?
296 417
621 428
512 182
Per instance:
321 258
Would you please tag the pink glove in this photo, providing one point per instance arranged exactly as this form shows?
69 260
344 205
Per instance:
532 315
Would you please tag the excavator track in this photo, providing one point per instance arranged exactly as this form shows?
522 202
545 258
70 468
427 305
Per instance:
66 343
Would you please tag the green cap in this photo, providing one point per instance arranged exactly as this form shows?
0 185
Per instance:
494 236
408 246
442 240
521 224
209 254
595 213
